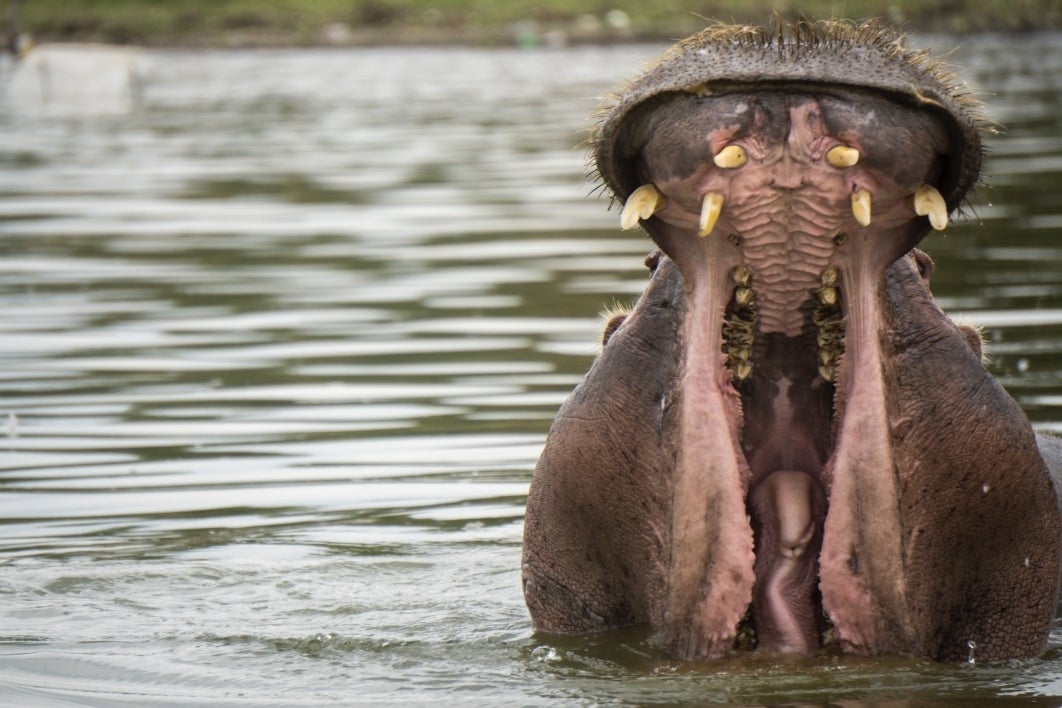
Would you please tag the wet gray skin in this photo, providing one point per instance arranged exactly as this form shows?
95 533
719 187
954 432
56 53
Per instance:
786 445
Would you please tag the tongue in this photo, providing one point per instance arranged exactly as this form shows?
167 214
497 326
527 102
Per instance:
787 510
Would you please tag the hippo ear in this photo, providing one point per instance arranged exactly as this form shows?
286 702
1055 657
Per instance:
924 264
613 317
974 335
652 260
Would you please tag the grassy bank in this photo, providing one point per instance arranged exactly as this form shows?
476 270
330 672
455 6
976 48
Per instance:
488 22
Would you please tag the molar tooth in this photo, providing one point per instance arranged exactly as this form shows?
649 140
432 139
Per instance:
861 207
741 354
743 370
826 357
730 157
641 204
741 275
826 372
842 156
743 296
829 277
929 202
827 296
711 207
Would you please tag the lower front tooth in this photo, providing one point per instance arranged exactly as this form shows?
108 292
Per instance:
711 208
861 207
641 204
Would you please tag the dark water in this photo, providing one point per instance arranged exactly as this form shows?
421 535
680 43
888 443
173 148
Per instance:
281 347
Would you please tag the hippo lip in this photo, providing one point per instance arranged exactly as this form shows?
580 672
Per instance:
782 208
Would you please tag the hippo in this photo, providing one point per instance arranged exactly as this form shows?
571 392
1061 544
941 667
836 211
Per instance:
786 446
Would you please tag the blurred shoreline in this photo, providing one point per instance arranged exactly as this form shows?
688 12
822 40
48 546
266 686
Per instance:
489 23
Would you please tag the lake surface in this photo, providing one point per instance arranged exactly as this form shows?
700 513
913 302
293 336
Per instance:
282 344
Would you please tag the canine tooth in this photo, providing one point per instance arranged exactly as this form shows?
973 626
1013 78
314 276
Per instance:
743 296
730 157
711 207
829 277
741 275
641 204
861 207
827 296
842 156
929 202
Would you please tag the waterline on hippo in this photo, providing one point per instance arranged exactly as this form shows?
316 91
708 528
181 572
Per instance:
786 445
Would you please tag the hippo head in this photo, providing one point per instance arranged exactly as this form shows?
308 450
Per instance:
786 445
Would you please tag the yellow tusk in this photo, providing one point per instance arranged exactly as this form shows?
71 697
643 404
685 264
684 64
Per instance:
929 202
730 157
711 208
842 156
861 207
643 203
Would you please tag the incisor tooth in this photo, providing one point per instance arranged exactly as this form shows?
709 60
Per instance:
842 156
711 207
929 202
861 207
730 157
643 203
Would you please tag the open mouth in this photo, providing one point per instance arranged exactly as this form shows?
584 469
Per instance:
782 208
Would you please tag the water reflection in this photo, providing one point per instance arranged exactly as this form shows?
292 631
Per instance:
282 345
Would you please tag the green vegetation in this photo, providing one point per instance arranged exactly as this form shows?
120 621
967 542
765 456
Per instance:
316 22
